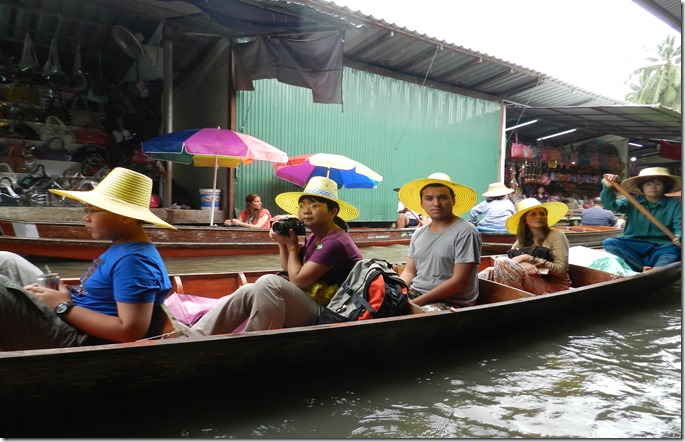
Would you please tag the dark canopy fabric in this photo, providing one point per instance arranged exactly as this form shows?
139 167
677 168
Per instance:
314 61
292 49
248 20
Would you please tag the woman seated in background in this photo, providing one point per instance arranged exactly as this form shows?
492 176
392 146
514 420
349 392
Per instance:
538 260
253 215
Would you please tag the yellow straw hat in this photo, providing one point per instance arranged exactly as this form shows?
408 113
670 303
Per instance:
497 189
632 185
555 211
123 192
464 197
317 186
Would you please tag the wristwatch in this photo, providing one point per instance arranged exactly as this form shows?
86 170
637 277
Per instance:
63 308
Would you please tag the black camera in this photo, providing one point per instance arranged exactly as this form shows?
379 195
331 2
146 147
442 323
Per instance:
283 227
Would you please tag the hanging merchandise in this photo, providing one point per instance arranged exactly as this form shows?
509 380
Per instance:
7 67
519 150
52 71
80 116
29 70
77 81
99 89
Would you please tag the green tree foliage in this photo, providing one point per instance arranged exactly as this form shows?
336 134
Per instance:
659 82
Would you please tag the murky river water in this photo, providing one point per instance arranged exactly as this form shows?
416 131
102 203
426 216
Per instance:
607 374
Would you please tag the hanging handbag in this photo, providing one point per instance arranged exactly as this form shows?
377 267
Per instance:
91 135
98 91
519 150
28 71
80 115
77 81
53 74
7 67
55 128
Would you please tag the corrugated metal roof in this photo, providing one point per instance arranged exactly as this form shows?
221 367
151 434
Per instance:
388 49
370 44
646 123
668 11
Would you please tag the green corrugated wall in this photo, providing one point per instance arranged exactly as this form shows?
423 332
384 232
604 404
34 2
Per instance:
401 130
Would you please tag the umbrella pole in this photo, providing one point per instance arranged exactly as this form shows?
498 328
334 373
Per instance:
216 169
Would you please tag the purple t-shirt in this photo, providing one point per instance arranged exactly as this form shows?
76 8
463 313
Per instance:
337 250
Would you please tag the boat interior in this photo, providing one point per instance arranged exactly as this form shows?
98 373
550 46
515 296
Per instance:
217 285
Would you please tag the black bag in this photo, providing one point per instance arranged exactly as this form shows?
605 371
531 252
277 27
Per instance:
372 290
537 252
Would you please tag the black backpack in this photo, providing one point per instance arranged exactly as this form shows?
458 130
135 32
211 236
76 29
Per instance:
372 290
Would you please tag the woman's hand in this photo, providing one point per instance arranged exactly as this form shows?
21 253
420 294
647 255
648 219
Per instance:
228 222
285 240
50 297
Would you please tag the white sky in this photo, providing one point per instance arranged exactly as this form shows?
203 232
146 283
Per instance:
593 44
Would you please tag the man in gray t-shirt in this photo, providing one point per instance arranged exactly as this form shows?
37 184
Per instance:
442 265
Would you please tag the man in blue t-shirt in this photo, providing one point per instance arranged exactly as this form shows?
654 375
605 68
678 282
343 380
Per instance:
118 293
597 215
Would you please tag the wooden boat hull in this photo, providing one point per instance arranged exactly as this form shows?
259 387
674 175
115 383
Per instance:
41 379
71 240
585 236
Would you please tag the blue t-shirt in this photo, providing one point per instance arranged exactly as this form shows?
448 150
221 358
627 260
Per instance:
131 272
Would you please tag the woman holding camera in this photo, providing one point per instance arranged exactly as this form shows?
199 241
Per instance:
314 271
538 261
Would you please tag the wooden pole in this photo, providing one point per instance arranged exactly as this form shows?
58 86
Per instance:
644 211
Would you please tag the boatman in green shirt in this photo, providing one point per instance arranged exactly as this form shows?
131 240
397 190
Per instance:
643 245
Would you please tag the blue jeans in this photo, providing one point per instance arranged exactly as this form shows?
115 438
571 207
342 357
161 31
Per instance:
638 253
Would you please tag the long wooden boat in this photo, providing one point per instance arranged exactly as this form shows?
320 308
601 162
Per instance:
71 240
192 368
585 236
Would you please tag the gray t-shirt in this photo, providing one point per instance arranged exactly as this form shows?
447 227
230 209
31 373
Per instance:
435 255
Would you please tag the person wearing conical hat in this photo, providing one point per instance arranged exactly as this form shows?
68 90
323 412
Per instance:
492 214
643 245
315 270
443 258
538 260
118 294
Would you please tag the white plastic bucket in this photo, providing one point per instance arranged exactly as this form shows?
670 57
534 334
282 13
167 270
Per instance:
209 200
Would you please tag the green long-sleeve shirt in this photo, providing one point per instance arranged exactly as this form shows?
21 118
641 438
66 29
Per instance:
638 226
